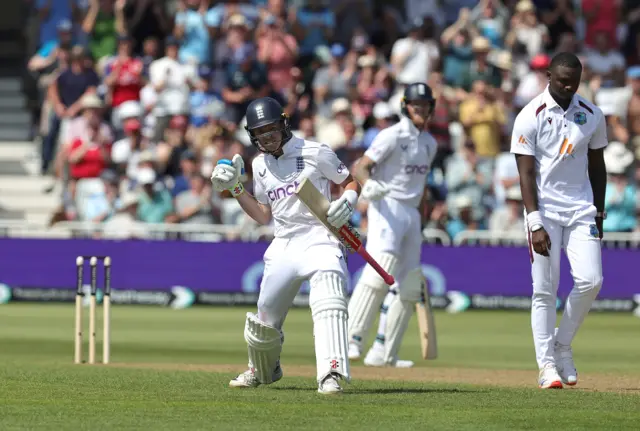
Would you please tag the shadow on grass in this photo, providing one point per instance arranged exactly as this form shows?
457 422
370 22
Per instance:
361 391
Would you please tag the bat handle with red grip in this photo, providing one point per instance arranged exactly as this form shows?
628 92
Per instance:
388 278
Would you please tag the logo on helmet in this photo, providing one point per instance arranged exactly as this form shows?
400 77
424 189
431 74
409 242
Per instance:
416 169
283 191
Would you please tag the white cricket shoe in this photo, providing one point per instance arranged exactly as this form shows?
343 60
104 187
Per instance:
549 378
374 358
330 385
355 352
248 379
566 367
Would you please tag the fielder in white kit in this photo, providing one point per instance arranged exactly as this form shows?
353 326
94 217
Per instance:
558 140
393 172
303 249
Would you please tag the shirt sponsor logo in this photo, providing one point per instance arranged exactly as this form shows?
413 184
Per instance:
282 192
416 169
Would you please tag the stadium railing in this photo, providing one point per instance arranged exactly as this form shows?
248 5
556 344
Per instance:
624 240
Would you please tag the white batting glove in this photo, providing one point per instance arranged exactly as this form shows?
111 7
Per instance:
374 190
227 174
340 210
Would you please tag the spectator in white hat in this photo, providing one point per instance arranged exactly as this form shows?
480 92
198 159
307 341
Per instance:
155 204
383 117
620 198
509 218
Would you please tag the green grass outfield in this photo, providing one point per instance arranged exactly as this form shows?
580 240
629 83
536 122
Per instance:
171 368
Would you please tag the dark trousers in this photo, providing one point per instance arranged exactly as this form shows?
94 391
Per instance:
50 142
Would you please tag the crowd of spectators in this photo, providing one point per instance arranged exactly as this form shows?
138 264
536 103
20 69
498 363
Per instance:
140 98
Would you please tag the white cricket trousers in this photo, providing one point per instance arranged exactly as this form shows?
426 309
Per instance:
576 232
288 263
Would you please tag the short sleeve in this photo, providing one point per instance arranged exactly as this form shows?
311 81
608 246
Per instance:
331 166
599 137
523 138
259 191
381 147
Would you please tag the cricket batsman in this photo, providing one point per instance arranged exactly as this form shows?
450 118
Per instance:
558 141
393 172
303 249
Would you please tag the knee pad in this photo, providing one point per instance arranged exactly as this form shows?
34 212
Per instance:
264 344
370 277
412 287
328 303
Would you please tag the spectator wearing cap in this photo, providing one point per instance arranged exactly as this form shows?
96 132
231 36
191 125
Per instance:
620 197
192 29
465 218
278 51
331 131
48 51
102 24
193 206
534 82
491 18
480 69
330 83
126 152
313 25
124 78
605 61
509 218
245 80
155 204
65 95
412 58
458 55
90 141
172 82
527 31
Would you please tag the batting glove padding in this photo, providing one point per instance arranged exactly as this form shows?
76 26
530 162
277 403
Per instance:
374 190
341 210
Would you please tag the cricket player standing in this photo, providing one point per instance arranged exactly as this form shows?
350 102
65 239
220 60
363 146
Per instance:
302 249
393 171
558 140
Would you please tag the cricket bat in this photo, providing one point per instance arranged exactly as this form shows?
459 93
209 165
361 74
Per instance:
318 205
427 324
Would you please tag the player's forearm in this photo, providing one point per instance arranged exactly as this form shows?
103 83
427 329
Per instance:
362 171
598 178
254 209
528 187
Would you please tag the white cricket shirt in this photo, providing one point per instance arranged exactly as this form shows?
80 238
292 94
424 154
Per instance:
403 157
560 142
275 181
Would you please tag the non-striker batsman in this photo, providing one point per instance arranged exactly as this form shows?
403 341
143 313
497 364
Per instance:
303 249
393 172
559 140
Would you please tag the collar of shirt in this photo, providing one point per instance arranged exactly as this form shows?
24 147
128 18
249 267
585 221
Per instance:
407 128
548 100
291 147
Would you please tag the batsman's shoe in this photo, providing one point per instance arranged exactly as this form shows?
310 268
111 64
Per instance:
549 378
566 367
330 385
375 358
248 379
355 352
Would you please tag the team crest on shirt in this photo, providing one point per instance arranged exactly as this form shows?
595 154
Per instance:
580 118
593 231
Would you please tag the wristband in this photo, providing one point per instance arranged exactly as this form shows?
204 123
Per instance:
534 219
237 190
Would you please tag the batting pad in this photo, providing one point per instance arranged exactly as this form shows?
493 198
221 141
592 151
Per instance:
328 303
264 345
401 304
367 298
